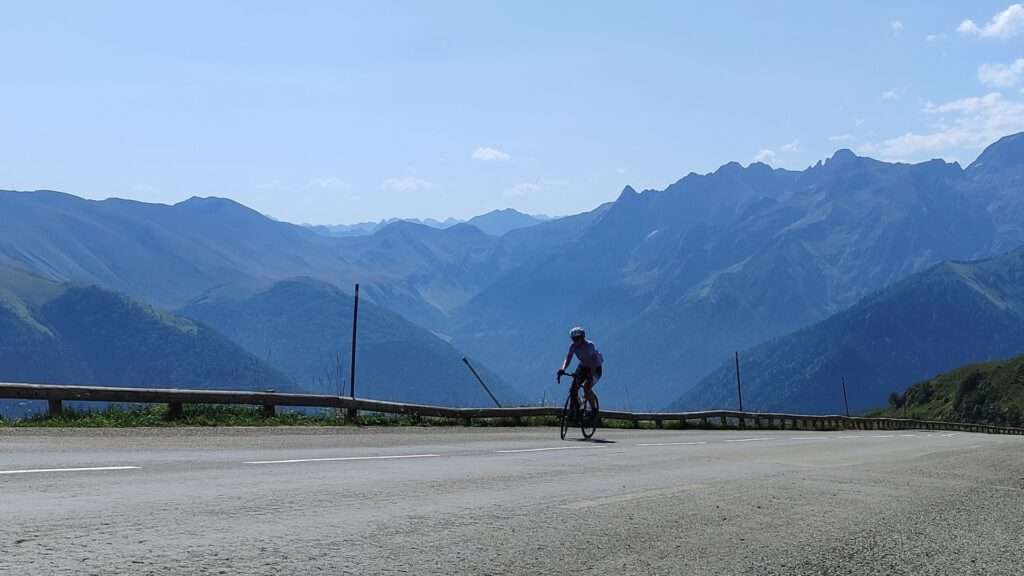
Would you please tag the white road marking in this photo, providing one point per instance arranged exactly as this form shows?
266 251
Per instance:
808 438
92 469
849 437
882 436
343 459
908 435
750 439
674 444
547 449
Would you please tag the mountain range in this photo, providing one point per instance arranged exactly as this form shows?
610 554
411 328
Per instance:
495 223
303 327
672 282
71 334
669 283
952 314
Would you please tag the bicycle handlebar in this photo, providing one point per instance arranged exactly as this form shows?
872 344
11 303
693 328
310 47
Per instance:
564 373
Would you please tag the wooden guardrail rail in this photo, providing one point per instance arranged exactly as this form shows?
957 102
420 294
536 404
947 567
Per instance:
56 395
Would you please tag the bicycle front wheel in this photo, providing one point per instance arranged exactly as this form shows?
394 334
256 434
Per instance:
565 416
588 417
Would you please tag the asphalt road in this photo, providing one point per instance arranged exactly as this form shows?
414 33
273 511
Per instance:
509 501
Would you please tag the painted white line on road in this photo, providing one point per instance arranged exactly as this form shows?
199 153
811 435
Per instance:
674 444
808 438
548 449
750 439
882 436
908 435
849 437
343 459
92 469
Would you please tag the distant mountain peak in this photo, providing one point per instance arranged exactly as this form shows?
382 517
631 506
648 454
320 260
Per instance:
733 167
212 204
1007 152
843 155
500 222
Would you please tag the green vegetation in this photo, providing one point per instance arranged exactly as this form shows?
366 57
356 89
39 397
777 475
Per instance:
71 334
206 415
991 393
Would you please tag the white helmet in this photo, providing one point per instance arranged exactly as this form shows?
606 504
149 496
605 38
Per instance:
577 332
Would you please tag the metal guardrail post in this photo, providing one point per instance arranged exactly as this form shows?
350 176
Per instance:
353 413
481 381
846 402
739 385
55 407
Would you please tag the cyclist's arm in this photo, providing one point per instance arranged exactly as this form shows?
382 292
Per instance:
568 360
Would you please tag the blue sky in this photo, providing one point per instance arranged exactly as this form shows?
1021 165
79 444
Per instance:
336 112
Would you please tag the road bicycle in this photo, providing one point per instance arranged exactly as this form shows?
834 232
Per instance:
578 409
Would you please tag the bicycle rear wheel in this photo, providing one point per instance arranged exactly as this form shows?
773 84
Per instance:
588 417
565 416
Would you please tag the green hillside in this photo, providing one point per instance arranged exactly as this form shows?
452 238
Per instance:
54 333
303 327
990 393
950 315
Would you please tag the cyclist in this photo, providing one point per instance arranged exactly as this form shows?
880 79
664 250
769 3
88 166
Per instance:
591 361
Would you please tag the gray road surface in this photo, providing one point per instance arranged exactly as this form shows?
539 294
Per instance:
509 501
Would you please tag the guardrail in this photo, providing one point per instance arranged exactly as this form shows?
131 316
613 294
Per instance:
56 395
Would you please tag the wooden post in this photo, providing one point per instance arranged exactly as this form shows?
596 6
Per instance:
56 408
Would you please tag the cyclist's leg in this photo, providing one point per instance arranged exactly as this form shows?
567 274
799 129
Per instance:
588 388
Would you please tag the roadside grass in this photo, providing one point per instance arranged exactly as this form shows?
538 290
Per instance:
199 415
158 415
206 415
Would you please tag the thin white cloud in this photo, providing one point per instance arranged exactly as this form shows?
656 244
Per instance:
522 189
488 154
967 124
1003 25
620 170
766 156
896 26
328 183
793 146
1002 75
890 95
549 186
406 185
935 37
840 138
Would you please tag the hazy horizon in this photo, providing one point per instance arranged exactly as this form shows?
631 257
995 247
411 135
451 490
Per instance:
335 114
